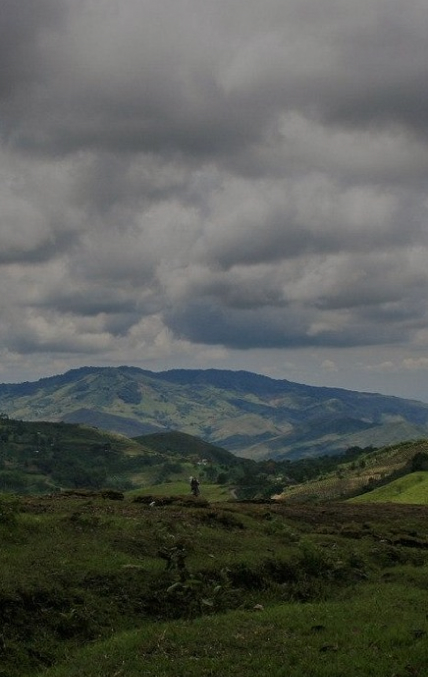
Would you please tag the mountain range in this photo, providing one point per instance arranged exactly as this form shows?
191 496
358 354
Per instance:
251 415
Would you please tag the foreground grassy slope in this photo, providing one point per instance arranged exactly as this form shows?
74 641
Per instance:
362 637
105 588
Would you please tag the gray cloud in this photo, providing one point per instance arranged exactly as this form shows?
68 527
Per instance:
21 27
191 183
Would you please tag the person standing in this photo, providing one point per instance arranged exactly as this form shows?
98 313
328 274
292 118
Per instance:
194 486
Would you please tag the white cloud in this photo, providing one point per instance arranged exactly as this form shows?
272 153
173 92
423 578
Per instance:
415 364
328 365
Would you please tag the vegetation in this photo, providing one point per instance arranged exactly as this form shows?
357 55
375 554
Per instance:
44 457
367 471
101 588
360 638
411 488
249 414
111 568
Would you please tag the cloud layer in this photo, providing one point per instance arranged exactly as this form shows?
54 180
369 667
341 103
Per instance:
201 183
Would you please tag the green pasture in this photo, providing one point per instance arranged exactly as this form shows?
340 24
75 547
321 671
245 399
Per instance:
211 492
379 632
412 488
112 588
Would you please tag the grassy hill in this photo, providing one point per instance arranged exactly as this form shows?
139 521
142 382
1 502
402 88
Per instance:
93 587
248 414
187 446
360 476
410 489
44 456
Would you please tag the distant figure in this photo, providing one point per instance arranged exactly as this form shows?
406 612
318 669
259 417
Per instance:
194 486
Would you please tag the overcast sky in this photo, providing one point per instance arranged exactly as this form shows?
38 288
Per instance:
216 183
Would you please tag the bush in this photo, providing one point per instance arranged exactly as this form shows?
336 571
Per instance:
9 509
419 461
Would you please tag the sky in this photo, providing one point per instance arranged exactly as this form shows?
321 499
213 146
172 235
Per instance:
228 184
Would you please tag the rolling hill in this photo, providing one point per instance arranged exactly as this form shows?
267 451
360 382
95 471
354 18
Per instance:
248 414
381 475
44 457
41 457
187 446
412 489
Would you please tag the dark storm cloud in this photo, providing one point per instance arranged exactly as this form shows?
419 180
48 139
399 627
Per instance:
330 221
140 77
166 78
386 66
21 26
205 322
90 303
36 253
236 174
267 328
122 79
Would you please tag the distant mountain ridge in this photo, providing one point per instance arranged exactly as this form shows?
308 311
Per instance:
249 414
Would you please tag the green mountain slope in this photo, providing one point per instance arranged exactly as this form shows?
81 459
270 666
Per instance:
187 446
44 456
41 457
411 489
247 414
364 475
311 439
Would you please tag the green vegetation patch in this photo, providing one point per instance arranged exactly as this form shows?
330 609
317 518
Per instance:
412 488
379 632
80 571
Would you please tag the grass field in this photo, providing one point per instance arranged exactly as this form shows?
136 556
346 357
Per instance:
114 588
351 478
211 492
412 488
363 636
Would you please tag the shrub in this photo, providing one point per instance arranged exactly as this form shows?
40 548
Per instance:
9 509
